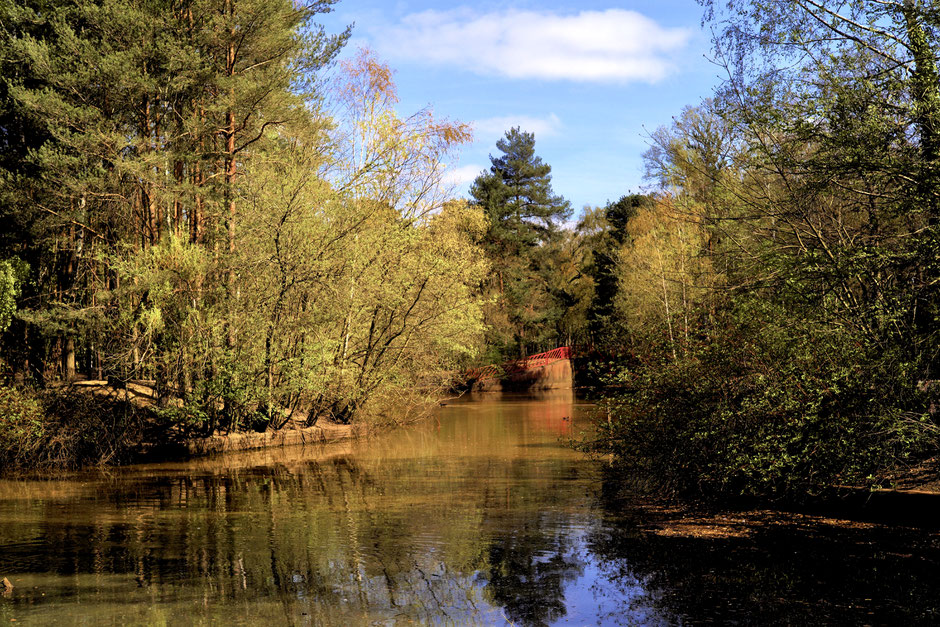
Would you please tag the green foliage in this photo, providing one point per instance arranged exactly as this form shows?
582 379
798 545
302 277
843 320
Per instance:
605 232
190 418
201 210
524 218
764 409
12 273
782 293
22 425
70 429
517 196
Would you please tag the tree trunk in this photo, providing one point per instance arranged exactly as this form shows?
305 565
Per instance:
195 220
231 169
68 358
178 177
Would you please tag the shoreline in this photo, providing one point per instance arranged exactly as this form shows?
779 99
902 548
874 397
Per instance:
909 496
326 433
98 424
142 394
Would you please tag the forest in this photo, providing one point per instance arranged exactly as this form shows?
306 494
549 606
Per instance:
780 295
203 195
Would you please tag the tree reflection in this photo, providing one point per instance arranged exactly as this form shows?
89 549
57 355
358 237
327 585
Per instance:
769 568
526 574
464 524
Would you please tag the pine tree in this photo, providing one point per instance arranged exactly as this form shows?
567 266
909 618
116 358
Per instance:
122 124
517 196
607 240
524 217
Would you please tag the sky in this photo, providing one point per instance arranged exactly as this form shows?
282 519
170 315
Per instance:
590 79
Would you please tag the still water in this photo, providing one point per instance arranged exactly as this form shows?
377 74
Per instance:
481 515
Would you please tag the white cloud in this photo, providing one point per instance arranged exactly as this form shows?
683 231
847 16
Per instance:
464 175
490 129
598 46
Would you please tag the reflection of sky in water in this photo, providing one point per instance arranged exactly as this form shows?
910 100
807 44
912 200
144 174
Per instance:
599 596
481 518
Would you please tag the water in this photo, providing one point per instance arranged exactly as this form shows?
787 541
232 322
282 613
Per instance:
480 516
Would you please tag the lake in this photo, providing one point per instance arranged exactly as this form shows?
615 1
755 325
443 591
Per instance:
480 515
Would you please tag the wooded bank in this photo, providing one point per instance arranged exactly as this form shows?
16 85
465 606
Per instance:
189 197
202 195
785 289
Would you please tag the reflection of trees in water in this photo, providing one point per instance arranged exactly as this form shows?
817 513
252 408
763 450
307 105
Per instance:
785 572
320 540
393 536
527 571
334 538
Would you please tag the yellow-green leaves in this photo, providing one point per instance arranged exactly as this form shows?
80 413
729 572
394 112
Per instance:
398 162
12 272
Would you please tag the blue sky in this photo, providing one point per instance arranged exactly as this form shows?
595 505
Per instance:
590 79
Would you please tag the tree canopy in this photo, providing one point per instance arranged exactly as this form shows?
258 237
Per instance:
782 290
194 202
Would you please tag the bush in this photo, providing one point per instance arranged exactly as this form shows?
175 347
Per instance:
22 425
765 411
70 429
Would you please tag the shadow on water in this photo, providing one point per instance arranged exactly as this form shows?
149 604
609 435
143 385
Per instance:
770 567
482 517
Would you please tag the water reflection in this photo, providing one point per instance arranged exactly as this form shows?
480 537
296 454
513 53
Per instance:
770 567
527 570
429 525
482 517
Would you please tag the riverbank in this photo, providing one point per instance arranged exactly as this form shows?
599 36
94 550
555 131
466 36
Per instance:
293 433
846 508
911 499
97 423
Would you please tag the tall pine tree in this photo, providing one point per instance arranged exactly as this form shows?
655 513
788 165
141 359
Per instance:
524 217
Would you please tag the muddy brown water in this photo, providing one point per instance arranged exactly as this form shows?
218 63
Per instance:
481 515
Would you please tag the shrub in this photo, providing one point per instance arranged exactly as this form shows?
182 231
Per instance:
22 425
70 429
772 412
